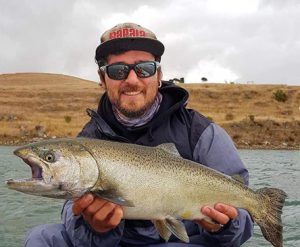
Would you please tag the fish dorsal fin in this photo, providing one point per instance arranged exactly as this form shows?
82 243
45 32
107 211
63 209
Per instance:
171 225
239 178
169 148
112 196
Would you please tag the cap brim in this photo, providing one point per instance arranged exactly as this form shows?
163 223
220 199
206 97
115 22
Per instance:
155 47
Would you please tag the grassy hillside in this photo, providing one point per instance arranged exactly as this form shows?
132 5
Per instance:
35 106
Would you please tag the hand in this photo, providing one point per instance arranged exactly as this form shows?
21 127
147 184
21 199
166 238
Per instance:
220 213
101 215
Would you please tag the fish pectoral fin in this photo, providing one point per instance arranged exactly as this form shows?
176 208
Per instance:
162 229
113 196
177 228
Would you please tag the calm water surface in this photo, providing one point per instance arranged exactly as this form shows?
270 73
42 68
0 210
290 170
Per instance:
20 212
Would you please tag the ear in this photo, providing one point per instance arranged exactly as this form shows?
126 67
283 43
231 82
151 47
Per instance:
160 74
102 79
159 77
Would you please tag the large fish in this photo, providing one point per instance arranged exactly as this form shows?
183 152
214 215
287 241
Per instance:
151 183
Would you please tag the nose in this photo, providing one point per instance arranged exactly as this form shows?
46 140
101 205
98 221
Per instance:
132 77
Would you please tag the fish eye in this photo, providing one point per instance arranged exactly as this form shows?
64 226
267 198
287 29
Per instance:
49 157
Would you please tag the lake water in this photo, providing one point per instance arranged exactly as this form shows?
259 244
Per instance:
20 212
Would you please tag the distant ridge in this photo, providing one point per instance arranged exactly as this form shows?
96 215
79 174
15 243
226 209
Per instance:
45 105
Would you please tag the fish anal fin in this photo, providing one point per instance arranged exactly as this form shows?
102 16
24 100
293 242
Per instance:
112 196
177 228
162 229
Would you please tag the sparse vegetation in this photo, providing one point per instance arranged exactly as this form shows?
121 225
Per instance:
210 118
229 116
56 101
251 118
280 95
68 119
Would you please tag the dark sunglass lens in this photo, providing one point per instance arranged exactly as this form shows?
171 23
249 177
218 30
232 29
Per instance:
144 70
117 71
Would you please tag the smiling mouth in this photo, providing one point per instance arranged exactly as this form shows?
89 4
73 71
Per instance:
133 93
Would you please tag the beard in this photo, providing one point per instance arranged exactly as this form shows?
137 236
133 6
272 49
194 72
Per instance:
133 109
133 112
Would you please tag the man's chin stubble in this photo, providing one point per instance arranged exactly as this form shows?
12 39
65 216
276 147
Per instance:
130 113
133 114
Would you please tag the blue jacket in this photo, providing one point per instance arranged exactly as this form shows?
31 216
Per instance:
197 139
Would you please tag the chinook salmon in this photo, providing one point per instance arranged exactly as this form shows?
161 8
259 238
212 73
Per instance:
124 173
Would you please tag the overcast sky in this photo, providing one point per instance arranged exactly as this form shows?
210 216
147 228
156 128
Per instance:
223 40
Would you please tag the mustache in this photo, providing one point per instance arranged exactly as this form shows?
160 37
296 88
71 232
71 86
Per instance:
130 89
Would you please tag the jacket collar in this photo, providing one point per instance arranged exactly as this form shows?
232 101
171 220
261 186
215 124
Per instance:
174 98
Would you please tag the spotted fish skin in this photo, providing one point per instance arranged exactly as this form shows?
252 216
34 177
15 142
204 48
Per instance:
151 183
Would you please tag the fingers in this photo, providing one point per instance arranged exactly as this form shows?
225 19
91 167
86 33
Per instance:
209 226
89 212
109 219
230 211
220 213
82 203
116 217
215 215
101 215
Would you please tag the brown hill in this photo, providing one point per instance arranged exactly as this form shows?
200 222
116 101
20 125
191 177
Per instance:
35 106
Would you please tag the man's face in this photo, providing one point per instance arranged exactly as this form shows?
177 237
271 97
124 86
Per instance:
133 95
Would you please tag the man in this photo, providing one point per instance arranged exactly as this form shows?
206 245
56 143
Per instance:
138 107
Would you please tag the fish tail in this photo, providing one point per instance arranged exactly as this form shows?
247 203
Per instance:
268 214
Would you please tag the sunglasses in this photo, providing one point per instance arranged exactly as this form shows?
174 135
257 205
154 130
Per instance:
121 71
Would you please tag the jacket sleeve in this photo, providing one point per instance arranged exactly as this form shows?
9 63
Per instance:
81 234
216 150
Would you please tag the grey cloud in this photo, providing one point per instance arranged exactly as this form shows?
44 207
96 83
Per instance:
278 4
61 36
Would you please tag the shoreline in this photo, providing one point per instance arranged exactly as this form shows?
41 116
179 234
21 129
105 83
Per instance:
15 142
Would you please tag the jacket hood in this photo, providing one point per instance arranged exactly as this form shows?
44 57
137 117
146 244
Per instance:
174 99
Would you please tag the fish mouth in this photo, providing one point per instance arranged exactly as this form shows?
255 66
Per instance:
36 169
40 182
35 166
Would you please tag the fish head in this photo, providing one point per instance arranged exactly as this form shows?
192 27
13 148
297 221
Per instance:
60 169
